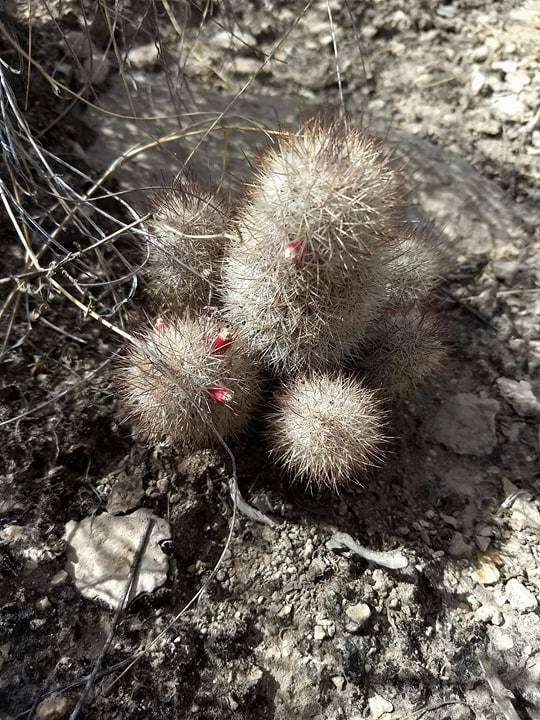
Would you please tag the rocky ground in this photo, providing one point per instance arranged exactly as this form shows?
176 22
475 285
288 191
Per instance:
288 627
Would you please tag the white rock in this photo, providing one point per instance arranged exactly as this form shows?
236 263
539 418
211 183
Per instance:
488 613
520 597
447 11
516 81
501 640
338 682
285 611
505 66
359 613
520 395
319 633
509 106
101 551
478 80
26 544
379 706
59 578
143 56
486 573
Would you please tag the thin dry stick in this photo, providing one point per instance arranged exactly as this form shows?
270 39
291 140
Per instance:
338 69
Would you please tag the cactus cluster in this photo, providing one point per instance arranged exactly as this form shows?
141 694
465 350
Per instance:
316 281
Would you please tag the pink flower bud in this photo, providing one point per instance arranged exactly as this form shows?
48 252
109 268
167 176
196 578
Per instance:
293 250
222 343
220 395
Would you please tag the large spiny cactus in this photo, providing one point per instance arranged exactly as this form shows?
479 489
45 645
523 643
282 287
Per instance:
318 264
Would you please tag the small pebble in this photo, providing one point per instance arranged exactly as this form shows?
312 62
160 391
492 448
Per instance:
285 611
379 706
486 573
359 613
59 578
520 597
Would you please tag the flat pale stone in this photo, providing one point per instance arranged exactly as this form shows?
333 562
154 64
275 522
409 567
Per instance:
101 551
379 706
486 573
520 597
520 395
359 613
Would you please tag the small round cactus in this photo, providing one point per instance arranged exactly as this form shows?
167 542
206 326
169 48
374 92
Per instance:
327 429
414 267
334 193
289 326
401 351
185 245
188 382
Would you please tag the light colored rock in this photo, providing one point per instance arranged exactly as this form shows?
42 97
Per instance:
478 81
319 633
505 66
54 707
285 611
520 597
339 682
101 551
501 640
488 614
524 513
447 11
59 578
486 573
379 706
359 613
465 424
509 106
143 56
26 544
520 395
516 81
505 270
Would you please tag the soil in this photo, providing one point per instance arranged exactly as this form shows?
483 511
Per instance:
456 634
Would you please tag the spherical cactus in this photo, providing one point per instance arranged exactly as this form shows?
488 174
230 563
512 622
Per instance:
334 194
401 351
185 246
291 326
188 382
327 429
306 274
414 266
